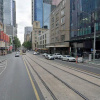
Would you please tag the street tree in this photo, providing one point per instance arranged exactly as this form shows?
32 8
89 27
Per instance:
27 44
16 43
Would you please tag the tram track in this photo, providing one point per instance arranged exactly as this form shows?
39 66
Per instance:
70 73
66 84
48 89
76 69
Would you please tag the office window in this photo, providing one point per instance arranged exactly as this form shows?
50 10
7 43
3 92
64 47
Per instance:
62 12
62 19
62 37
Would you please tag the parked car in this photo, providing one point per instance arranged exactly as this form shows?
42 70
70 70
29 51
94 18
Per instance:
61 57
65 57
35 53
68 58
17 54
50 57
71 59
44 54
57 55
38 53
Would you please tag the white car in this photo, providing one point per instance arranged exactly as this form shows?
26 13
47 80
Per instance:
35 53
61 57
71 59
65 57
57 55
44 54
50 57
17 54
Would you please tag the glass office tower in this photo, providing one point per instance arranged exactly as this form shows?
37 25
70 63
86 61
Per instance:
37 11
41 10
84 13
8 12
1 11
46 14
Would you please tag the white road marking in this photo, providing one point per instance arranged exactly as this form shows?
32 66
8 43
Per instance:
4 68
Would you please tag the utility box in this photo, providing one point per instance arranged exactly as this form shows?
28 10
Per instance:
80 59
90 57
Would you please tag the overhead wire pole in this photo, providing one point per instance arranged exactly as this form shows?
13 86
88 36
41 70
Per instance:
94 51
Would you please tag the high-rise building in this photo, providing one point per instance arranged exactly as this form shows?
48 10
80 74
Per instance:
59 24
46 14
8 12
14 14
41 10
1 11
28 31
84 16
37 11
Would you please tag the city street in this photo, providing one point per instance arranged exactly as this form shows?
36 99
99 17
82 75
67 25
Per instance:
32 77
62 81
15 83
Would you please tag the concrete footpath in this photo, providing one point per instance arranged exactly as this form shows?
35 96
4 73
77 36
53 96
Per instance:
96 62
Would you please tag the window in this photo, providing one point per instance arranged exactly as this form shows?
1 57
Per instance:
57 23
43 36
62 19
96 25
39 31
62 12
62 37
53 19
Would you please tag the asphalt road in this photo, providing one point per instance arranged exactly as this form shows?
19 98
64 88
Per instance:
14 81
84 66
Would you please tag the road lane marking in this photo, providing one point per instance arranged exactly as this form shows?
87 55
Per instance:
4 68
33 85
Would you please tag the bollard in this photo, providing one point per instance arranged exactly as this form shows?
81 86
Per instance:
76 59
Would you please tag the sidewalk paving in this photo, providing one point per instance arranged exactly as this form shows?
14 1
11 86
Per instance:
2 58
96 62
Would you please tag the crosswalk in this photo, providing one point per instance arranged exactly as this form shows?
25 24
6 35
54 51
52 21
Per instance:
3 65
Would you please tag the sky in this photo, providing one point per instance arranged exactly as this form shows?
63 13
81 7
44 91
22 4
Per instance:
23 17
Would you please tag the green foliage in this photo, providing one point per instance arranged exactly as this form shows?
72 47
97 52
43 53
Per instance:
27 45
16 43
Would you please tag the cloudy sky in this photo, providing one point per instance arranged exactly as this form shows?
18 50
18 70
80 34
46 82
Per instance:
23 16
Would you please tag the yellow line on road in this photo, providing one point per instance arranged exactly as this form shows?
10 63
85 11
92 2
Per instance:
34 88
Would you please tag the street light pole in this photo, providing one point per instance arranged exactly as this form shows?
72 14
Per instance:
94 51
94 43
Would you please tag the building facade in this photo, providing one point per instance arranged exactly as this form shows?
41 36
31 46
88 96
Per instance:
14 14
85 19
8 12
46 14
43 41
37 11
41 10
1 11
59 28
35 33
27 33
